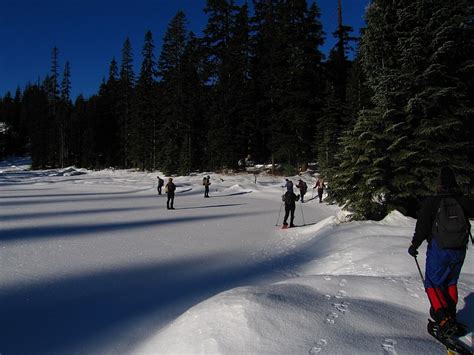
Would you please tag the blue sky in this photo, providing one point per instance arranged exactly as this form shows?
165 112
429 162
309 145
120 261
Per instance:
89 33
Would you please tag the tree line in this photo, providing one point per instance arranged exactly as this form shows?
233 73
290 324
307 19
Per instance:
379 124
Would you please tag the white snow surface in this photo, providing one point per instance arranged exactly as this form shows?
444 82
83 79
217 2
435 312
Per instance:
93 262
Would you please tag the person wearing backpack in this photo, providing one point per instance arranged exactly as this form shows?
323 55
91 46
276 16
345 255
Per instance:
206 183
160 184
289 198
320 185
443 222
170 189
303 187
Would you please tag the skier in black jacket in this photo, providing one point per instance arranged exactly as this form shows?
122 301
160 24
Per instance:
160 184
289 198
170 189
443 265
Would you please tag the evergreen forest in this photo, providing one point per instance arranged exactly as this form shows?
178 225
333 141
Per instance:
380 114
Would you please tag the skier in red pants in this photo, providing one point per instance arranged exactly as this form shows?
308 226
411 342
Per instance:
443 222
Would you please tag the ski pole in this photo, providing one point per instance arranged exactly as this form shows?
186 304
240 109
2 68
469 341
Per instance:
419 270
279 214
302 214
423 280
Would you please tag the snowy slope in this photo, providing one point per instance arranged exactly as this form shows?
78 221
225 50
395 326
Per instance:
92 262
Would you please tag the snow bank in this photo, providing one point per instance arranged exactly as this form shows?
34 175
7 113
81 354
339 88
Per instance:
356 292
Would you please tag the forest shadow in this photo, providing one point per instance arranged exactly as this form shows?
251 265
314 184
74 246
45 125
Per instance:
73 194
80 198
50 214
70 314
211 206
59 231
233 194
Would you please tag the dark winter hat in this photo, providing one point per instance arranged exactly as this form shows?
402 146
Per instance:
447 179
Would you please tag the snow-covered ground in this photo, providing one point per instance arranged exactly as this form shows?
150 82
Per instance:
93 262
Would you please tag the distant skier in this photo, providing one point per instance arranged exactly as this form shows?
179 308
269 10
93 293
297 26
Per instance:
289 198
160 184
443 222
320 186
303 187
206 181
170 189
289 185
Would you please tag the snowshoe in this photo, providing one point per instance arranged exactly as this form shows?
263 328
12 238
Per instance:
447 336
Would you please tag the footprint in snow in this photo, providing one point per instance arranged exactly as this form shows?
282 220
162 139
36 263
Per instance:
389 346
342 282
340 294
341 307
318 346
331 317
328 297
327 278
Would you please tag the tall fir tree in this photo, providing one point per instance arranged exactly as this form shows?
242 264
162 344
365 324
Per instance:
416 56
172 95
126 88
336 115
287 73
107 123
145 128
227 43
64 115
35 110
194 132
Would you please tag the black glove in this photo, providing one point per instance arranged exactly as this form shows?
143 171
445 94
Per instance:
412 251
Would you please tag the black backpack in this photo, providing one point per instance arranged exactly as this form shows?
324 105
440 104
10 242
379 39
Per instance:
451 228
289 198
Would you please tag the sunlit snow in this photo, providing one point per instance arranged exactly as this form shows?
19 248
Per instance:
93 262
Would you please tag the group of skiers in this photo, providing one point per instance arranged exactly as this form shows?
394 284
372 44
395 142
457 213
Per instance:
170 189
443 222
289 198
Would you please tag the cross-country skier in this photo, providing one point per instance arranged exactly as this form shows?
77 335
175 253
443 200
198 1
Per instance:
160 184
206 182
439 216
303 187
289 198
320 186
170 189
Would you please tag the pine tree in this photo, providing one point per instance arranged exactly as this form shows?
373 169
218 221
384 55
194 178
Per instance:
108 115
336 113
227 41
194 131
145 128
126 95
172 95
288 74
35 111
64 114
52 130
415 56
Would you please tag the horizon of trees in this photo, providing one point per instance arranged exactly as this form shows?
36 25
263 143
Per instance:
380 125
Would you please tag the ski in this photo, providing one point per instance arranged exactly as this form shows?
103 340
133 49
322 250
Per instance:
455 345
287 226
